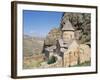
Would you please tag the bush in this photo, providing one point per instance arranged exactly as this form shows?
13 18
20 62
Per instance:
51 60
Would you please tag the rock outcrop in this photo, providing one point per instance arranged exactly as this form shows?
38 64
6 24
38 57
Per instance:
53 36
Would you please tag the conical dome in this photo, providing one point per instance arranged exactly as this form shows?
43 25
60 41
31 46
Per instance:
68 26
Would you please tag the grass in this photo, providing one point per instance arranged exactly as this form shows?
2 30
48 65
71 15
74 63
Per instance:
32 64
33 61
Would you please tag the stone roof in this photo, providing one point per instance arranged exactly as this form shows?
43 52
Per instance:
67 26
50 48
63 49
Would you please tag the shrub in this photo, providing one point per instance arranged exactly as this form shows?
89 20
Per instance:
51 60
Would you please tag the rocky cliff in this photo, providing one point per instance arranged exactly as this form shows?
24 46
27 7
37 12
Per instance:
81 23
52 36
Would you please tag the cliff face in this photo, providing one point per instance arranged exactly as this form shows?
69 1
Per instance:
53 36
82 25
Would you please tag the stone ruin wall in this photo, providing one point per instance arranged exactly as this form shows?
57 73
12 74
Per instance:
72 57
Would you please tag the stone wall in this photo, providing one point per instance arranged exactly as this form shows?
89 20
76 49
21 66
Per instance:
77 56
85 53
71 56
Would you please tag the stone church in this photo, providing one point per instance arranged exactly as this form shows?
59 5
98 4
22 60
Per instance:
68 49
67 46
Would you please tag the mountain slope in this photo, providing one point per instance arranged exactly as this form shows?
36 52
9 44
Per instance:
32 45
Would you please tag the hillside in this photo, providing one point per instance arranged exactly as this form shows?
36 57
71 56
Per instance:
32 45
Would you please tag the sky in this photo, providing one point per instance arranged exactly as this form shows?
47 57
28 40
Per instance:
39 23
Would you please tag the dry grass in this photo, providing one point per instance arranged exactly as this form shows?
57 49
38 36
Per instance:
32 62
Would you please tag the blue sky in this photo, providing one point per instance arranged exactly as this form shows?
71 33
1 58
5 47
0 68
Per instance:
39 23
